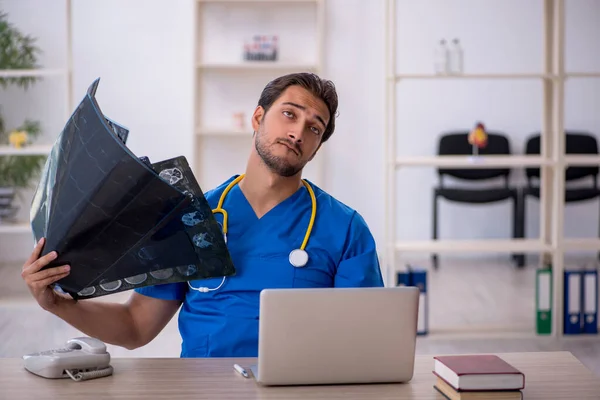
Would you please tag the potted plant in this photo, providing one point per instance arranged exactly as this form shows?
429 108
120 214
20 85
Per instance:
17 51
18 171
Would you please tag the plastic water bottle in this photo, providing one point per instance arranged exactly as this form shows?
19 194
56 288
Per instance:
441 58
456 57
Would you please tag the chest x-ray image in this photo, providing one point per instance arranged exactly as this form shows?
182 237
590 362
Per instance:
120 220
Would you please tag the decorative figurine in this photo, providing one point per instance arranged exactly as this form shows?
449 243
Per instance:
478 138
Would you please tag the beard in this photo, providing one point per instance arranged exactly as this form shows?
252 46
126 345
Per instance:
277 164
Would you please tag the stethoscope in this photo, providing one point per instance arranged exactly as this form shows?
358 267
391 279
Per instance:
298 257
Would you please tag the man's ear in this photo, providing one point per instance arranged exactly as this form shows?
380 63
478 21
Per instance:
257 116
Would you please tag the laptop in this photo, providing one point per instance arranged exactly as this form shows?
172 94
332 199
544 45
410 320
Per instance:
336 336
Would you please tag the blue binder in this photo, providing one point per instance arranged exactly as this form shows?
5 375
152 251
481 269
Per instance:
573 299
417 277
403 278
590 301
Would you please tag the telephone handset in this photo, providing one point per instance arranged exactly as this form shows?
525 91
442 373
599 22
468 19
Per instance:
82 358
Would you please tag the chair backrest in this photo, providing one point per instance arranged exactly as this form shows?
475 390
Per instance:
456 143
575 143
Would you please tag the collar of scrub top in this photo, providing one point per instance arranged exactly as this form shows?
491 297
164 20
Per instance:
298 257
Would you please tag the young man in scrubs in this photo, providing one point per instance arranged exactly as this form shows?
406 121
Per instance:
269 211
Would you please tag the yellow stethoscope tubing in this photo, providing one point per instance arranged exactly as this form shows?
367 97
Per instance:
220 208
304 256
313 213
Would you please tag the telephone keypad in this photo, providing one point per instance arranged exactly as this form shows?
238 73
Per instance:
50 352
64 350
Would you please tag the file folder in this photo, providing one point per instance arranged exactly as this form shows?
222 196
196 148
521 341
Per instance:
543 301
403 278
417 277
572 302
590 301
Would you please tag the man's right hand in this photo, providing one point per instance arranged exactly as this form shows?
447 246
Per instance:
38 281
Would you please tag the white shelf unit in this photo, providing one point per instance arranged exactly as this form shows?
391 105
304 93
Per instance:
19 227
26 73
399 77
552 159
13 228
256 1
582 75
258 66
33 150
230 136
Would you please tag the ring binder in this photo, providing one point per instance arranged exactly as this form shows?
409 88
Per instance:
590 302
417 277
572 302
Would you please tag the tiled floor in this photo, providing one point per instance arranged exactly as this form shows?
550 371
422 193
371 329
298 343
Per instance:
474 307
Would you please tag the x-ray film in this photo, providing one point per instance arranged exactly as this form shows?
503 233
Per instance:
118 220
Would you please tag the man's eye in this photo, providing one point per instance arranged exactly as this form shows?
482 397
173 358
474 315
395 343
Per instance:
316 130
288 114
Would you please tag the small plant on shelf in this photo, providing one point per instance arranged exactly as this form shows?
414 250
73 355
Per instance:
17 171
17 52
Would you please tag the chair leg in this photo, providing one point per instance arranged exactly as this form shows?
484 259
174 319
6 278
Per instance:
599 236
519 225
434 233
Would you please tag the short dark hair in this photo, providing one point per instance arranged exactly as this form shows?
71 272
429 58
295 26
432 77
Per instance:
322 88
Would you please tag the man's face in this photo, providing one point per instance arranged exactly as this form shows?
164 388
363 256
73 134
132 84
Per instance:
289 134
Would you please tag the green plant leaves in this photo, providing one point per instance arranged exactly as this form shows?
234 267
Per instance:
20 171
17 51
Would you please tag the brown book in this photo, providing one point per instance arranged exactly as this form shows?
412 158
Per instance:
448 392
482 372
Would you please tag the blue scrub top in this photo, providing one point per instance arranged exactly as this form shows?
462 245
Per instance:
224 323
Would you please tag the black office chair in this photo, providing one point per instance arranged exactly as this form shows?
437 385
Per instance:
456 143
575 143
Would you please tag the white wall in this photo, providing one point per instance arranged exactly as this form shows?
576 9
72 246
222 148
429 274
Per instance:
143 51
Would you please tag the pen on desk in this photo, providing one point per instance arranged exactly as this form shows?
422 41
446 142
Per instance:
241 370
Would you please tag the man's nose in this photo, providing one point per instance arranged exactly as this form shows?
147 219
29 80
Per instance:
295 136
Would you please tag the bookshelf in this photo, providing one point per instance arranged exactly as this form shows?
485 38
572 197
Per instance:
271 67
66 75
38 73
552 159
225 83
399 77
32 150
12 228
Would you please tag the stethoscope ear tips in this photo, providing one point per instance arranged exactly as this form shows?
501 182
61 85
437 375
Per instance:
298 258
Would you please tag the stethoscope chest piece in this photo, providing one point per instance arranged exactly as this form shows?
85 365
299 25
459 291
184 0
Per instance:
298 258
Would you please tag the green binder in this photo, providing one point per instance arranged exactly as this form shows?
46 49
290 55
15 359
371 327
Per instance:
543 301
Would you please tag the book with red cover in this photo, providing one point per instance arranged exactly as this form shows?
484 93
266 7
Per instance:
478 372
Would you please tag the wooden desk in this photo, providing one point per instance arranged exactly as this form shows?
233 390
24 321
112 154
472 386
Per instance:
556 375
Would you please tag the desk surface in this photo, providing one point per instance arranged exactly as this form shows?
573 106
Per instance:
555 375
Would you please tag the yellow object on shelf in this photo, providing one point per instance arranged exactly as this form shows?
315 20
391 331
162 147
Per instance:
18 138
